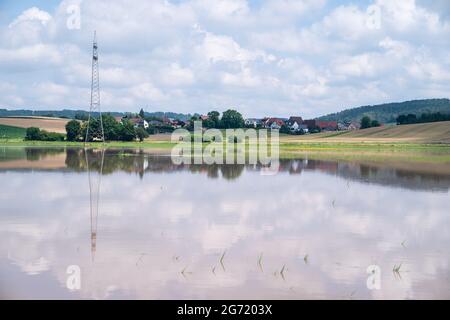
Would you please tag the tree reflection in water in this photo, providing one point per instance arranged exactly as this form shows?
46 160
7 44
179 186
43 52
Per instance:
140 162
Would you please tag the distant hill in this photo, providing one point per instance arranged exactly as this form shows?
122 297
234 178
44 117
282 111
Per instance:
65 113
387 113
72 114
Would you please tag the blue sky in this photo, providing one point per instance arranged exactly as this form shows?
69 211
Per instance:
10 9
264 57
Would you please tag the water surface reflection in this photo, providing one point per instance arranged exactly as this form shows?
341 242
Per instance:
416 177
167 231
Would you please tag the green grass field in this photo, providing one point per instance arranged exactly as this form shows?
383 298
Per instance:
9 132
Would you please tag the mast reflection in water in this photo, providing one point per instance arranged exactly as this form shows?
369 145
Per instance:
95 178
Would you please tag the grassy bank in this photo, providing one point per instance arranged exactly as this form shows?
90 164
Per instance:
10 132
150 144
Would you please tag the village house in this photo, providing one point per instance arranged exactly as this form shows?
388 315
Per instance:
167 121
155 123
327 125
292 120
354 125
349 126
342 126
273 123
322 125
252 122
139 122
296 124
310 124
178 124
299 127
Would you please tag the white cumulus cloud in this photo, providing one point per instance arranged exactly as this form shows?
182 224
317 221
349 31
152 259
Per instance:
271 57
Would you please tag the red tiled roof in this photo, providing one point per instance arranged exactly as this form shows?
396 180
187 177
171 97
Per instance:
326 124
136 120
276 120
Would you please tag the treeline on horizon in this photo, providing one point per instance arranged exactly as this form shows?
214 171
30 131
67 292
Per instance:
424 118
83 114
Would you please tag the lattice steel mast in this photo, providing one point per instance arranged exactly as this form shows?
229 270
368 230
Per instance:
96 131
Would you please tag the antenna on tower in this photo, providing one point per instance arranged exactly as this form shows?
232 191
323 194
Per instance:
96 130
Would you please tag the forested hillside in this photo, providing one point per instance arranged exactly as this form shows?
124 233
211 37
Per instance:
388 113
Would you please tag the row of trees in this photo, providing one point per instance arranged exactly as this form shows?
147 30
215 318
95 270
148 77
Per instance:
424 118
42 135
113 130
366 122
125 130
231 119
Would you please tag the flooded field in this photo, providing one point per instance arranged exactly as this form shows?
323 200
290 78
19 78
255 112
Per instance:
138 226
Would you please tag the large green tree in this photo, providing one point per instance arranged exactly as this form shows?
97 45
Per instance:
33 133
213 120
365 122
110 127
375 123
232 119
73 130
127 131
94 132
141 134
